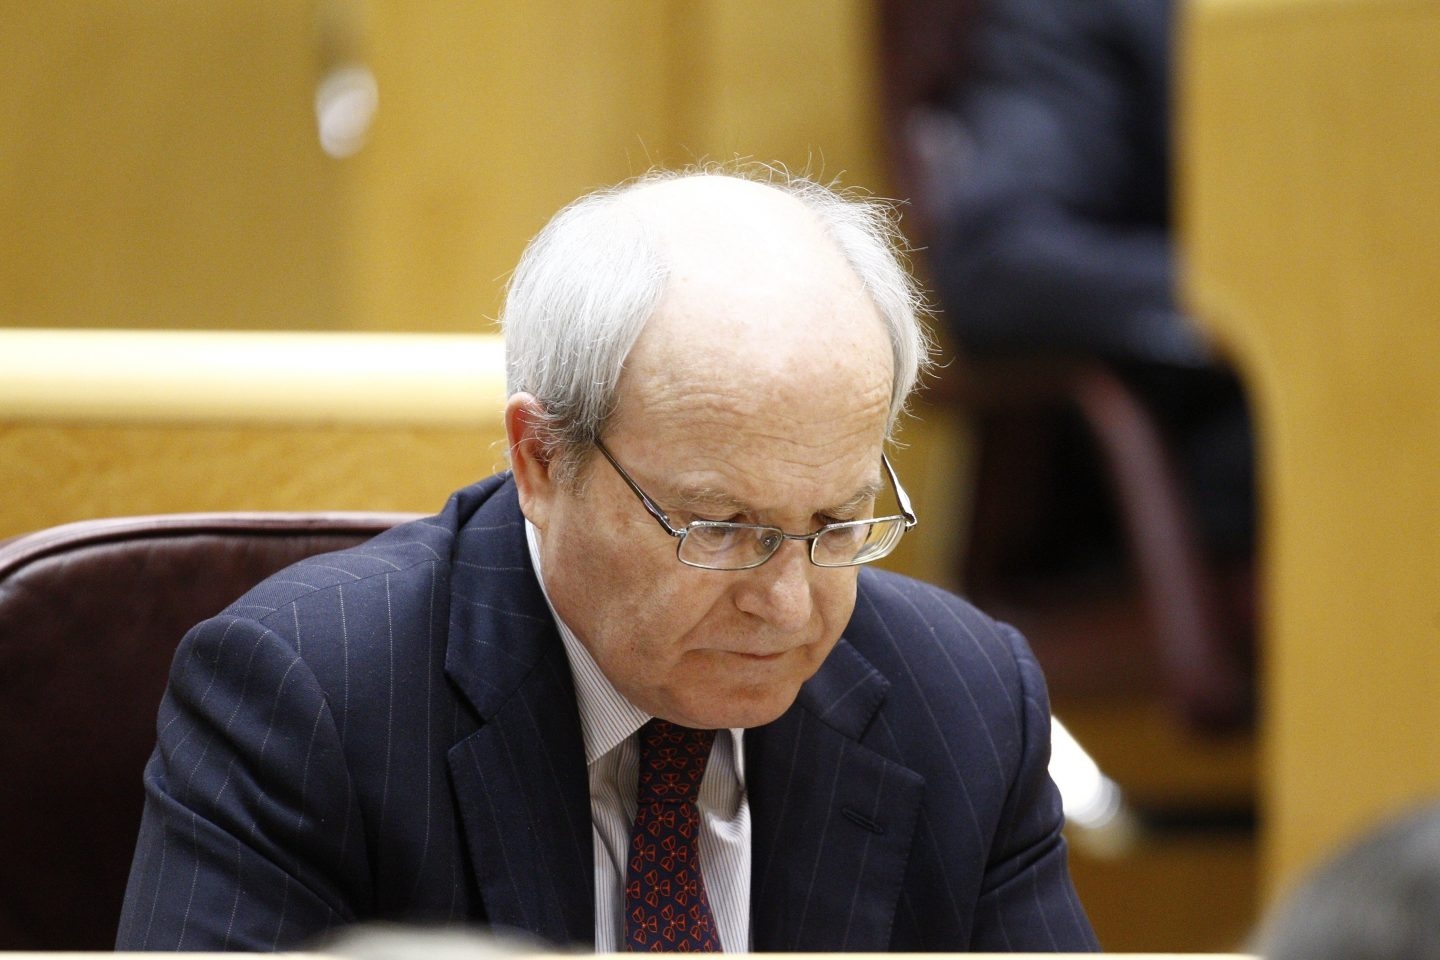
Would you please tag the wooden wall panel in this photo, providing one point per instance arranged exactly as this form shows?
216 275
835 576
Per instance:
1312 217
162 166
114 423
159 167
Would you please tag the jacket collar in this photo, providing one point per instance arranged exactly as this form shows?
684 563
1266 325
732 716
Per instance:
520 780
833 820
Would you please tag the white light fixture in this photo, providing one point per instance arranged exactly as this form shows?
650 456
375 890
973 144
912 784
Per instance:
1092 801
345 102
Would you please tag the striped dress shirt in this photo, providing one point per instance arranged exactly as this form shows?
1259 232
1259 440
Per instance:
608 723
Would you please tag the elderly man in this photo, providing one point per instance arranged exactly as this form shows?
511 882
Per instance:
637 693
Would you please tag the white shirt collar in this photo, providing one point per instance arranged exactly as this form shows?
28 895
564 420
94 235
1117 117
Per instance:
606 717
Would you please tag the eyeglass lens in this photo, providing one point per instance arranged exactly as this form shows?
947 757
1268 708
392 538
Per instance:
737 546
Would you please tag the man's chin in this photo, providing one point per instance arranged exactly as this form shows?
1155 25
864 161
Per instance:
720 709
738 690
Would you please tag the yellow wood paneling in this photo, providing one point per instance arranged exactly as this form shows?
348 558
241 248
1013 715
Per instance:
492 116
109 423
160 376
162 166
158 167
58 472
792 83
1311 208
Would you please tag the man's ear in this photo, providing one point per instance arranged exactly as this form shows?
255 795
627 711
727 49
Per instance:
529 462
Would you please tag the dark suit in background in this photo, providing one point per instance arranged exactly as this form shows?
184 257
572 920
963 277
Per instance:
1043 176
391 733
1053 226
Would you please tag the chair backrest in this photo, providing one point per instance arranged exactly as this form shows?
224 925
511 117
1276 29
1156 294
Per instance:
90 615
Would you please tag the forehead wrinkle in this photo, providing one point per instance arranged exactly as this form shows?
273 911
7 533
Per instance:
703 493
762 416
727 441
707 498
806 437
712 496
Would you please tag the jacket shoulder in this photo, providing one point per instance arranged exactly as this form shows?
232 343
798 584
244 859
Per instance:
401 550
900 617
946 661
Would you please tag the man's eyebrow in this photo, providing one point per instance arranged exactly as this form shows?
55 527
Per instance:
708 498
864 495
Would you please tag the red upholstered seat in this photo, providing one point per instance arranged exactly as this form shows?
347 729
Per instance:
90 615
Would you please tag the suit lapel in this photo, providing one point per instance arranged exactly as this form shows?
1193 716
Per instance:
832 819
520 780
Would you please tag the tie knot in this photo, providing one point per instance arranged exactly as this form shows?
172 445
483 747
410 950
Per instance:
672 762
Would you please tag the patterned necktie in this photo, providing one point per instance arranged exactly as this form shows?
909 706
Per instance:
665 903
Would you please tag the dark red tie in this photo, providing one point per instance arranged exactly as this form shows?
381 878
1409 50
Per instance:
665 903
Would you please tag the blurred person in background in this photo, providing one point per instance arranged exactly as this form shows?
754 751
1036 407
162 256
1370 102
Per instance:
1035 139
1377 899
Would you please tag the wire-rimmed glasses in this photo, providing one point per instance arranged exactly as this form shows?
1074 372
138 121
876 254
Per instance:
723 545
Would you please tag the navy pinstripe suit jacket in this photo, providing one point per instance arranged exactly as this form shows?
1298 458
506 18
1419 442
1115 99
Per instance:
391 733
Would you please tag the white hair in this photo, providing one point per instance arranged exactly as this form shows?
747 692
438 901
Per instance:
588 283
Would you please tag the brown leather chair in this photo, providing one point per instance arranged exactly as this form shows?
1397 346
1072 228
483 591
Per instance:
1169 617
90 615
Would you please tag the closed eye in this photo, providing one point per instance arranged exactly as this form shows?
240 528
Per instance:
847 514
731 518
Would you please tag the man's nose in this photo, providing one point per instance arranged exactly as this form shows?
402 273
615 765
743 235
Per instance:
779 591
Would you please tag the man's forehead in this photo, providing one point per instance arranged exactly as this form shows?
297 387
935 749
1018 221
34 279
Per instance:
743 475
767 451
780 355
704 496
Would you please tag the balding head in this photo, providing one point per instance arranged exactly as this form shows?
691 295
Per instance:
761 316
713 218
592 280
